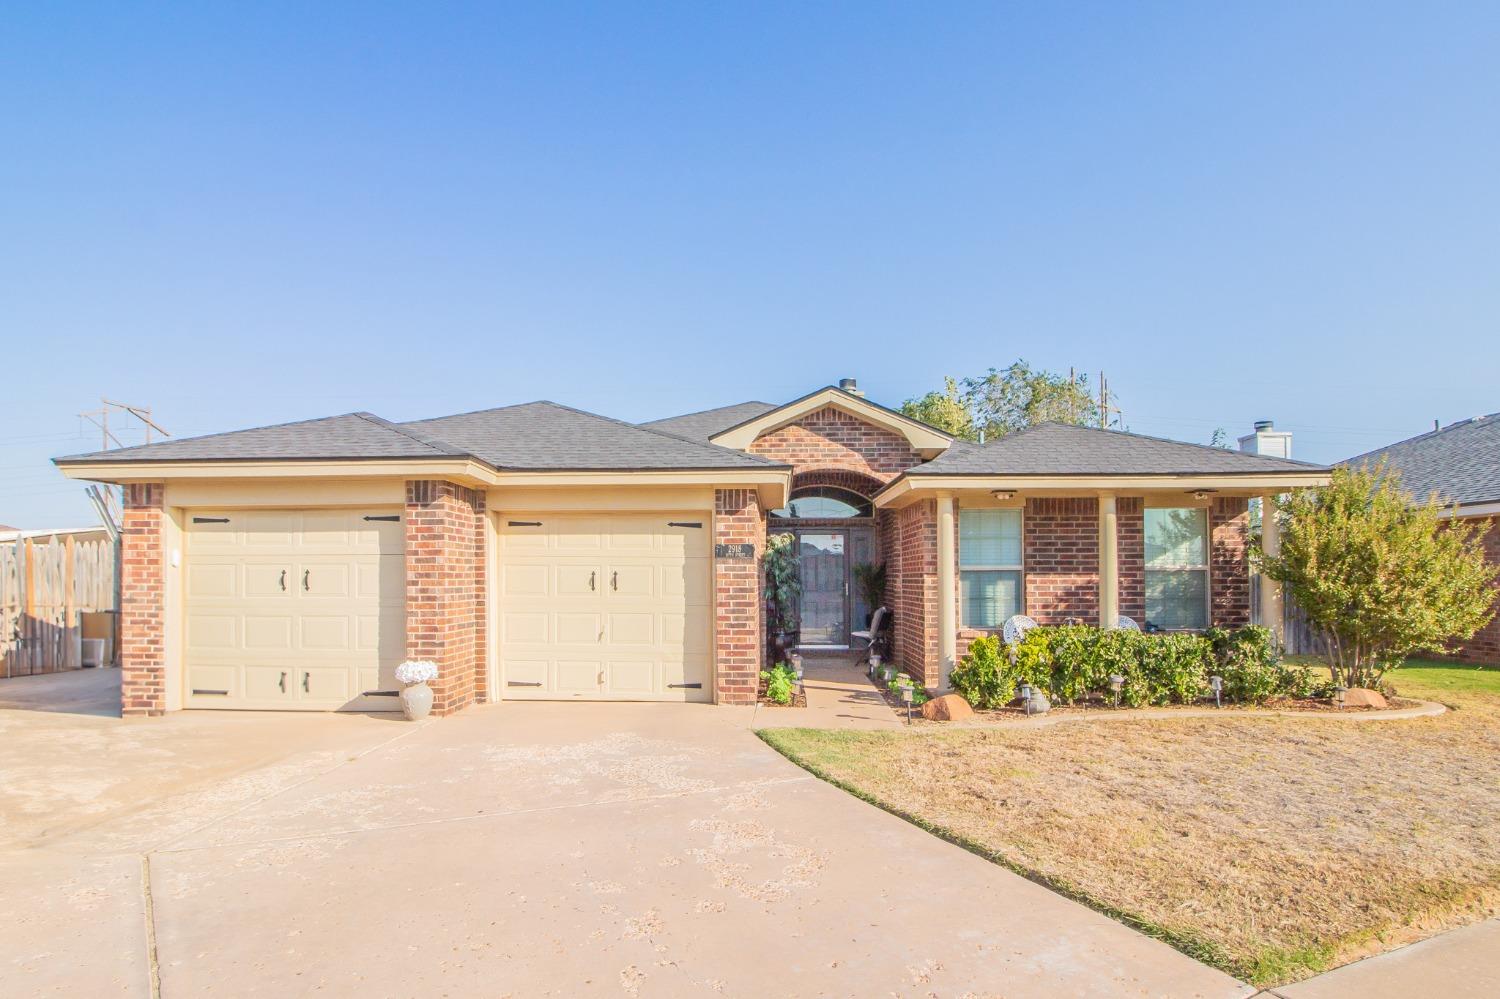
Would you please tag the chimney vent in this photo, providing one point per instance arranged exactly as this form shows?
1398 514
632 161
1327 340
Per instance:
850 385
1263 425
1267 441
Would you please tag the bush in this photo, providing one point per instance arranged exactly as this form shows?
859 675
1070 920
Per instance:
984 677
1175 668
1250 663
781 680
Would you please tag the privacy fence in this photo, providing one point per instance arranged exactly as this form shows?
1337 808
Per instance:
55 592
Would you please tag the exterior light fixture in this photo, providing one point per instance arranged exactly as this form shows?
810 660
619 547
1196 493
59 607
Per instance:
797 666
906 698
1003 494
1025 692
1339 695
1216 684
1116 683
874 663
1203 494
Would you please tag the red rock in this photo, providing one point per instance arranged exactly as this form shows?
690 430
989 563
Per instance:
949 707
1364 697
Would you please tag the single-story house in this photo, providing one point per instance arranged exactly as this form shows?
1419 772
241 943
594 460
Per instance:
1460 465
538 551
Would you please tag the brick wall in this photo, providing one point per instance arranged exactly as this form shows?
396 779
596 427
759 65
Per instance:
832 439
738 597
1229 561
445 589
1062 559
143 663
1130 532
915 594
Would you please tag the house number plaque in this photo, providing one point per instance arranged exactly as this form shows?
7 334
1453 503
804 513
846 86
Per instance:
734 551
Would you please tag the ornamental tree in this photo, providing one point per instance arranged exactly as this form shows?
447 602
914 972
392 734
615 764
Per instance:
1378 575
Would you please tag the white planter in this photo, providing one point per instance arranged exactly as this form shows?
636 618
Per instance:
416 701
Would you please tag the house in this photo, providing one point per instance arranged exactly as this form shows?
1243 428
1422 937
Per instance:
1460 465
538 551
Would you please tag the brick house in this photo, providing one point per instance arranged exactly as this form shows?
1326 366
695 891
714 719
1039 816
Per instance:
538 551
1460 465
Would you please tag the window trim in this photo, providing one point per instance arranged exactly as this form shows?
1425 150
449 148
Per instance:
1206 568
1019 569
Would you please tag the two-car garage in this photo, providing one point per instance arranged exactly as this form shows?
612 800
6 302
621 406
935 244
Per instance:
304 609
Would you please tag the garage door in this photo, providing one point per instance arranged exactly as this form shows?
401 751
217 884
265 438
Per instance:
605 607
294 609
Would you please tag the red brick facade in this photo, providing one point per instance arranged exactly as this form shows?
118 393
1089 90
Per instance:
143 660
832 439
915 593
1229 561
738 597
445 589
1062 560
1484 647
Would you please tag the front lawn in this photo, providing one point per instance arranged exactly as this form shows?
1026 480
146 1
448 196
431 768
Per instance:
1273 848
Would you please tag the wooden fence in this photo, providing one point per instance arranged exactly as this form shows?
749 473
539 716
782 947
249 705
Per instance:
52 592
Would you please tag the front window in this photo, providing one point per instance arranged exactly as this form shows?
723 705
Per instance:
989 563
825 503
1177 568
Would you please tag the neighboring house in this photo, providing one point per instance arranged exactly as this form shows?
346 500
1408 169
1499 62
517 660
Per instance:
1459 464
537 551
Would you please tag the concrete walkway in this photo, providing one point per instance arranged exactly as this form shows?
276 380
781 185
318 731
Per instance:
839 695
521 849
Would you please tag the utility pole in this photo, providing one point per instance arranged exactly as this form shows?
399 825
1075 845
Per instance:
107 497
1105 408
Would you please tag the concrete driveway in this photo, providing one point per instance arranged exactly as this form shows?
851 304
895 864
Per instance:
526 850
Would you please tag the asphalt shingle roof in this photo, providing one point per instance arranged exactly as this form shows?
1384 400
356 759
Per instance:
547 436
703 425
1064 449
353 435
1460 462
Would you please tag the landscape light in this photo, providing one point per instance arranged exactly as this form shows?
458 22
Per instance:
1116 683
1339 693
1216 684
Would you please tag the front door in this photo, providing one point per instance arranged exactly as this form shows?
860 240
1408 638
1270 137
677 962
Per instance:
825 587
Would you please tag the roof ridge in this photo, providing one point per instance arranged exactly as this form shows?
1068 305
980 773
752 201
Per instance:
845 392
711 409
1424 435
204 437
432 442
1166 440
660 433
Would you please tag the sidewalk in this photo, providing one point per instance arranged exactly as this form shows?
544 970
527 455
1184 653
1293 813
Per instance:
839 695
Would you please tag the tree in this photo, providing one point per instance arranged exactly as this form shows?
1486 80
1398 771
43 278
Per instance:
1379 576
1001 402
947 410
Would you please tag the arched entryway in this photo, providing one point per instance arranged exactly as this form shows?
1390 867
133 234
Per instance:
830 514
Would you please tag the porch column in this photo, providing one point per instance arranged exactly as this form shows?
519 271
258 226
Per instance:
1109 562
1270 591
947 583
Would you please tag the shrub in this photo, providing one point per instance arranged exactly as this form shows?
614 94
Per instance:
781 680
984 677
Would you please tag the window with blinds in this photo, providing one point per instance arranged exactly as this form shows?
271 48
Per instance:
990 567
1177 568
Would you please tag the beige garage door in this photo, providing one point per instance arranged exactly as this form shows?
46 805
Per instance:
294 609
605 607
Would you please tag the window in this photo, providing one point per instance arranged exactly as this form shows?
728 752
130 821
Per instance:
989 563
825 502
1177 568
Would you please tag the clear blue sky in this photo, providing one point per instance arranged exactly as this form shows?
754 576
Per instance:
245 214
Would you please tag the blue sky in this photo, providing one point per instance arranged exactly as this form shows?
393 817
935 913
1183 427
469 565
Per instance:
241 214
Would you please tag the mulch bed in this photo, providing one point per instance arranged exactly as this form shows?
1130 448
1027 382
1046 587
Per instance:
799 697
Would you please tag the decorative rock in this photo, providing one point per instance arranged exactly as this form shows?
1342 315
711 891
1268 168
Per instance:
1364 697
949 707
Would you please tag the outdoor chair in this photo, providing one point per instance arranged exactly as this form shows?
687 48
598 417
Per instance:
876 638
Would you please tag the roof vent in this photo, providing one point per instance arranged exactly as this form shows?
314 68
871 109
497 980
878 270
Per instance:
1261 426
850 385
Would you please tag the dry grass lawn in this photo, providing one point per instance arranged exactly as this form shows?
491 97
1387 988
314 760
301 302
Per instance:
1273 848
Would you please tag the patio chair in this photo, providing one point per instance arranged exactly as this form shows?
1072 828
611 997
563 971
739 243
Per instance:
875 636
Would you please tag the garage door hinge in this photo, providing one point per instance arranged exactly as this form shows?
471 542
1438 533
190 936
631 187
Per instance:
392 518
523 683
210 520
684 523
523 523
684 686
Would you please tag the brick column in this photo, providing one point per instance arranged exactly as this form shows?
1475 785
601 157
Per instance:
738 598
1131 517
1229 561
917 651
143 661
445 593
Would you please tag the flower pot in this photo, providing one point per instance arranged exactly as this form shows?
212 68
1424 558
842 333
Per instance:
416 701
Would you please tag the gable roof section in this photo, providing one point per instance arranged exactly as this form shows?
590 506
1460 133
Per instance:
926 440
1064 449
704 424
545 436
1460 462
353 435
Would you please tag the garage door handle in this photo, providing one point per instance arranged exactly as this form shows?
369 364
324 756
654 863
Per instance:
591 580
614 580
283 579
304 681
305 574
282 683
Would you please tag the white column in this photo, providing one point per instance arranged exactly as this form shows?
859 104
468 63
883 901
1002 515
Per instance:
1270 591
1109 562
947 583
